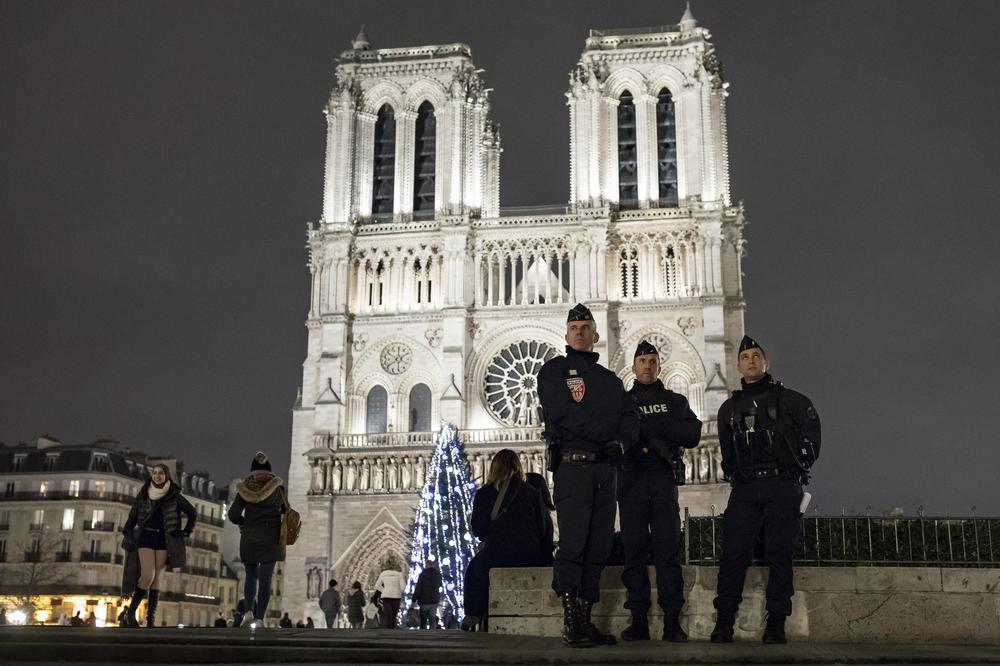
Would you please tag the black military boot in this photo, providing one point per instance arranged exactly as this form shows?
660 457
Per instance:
154 598
723 632
638 630
774 632
127 617
573 633
672 627
592 631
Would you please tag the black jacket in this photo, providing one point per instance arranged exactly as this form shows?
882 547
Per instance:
170 506
428 588
666 424
257 509
516 538
603 412
785 432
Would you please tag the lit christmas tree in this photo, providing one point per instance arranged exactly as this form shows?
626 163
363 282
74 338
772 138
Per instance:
441 528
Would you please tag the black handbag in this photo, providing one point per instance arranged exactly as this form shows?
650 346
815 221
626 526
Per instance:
128 542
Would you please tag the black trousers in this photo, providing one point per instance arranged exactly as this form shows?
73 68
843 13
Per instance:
774 504
477 585
649 515
584 496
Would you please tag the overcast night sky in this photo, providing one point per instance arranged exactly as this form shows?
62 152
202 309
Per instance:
160 162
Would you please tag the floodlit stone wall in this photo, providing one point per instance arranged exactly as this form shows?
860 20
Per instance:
835 604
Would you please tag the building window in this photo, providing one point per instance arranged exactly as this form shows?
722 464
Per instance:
37 519
18 462
100 488
3 550
97 518
511 382
50 462
69 516
4 520
43 487
423 171
666 148
100 463
420 408
670 270
678 384
628 179
422 276
628 265
377 410
384 168
9 490
74 488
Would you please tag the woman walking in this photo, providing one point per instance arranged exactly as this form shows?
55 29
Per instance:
257 509
153 539
355 603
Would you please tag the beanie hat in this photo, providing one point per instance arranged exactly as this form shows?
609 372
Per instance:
260 461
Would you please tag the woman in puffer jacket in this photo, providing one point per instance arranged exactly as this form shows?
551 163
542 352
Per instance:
257 509
153 539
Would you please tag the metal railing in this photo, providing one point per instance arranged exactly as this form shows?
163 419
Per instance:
32 556
833 541
64 557
87 556
100 526
210 520
205 545
63 495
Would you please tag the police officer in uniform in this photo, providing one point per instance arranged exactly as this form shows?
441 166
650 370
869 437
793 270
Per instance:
647 497
589 423
770 437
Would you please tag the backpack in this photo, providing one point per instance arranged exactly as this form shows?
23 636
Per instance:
291 525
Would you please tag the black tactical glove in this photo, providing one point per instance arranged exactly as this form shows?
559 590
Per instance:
614 451
659 446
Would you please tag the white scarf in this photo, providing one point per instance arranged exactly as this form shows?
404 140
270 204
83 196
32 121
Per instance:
157 493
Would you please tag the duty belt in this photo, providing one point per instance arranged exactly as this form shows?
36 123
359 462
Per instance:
768 472
583 456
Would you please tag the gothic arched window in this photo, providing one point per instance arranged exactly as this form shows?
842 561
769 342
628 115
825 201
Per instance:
424 155
420 408
666 148
678 383
628 179
377 410
670 272
628 264
384 167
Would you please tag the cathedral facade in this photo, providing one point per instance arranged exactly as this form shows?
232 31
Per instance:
429 303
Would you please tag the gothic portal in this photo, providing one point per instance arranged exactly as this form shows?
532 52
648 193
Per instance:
429 303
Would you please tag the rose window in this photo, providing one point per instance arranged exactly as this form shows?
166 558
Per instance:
512 383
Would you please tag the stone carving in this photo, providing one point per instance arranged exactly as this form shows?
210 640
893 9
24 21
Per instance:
475 329
366 467
318 482
419 472
396 358
337 475
359 342
378 475
392 475
433 336
406 474
703 466
314 583
687 325
511 390
688 466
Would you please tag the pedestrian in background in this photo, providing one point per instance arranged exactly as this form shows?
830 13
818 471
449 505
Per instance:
153 538
539 483
390 585
355 606
329 603
427 594
372 611
285 622
260 501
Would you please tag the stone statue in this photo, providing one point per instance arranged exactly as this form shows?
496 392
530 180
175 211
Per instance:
352 475
406 474
336 476
479 467
717 458
420 470
538 463
378 475
366 467
392 474
317 476
688 466
703 466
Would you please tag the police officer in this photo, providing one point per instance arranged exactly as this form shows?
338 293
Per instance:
589 423
647 497
769 436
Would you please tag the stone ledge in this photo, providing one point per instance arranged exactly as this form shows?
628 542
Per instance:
837 604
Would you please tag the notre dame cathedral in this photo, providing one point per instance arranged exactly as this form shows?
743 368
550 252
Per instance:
430 303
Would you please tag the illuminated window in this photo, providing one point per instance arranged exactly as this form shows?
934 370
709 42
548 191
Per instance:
69 515
423 171
377 410
678 384
420 408
628 178
384 168
666 149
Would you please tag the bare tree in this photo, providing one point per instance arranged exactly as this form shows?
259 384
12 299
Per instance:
38 572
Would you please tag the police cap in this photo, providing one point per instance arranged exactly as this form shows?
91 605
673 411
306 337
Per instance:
644 348
749 343
580 312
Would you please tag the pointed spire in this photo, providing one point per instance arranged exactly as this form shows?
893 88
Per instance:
688 21
361 42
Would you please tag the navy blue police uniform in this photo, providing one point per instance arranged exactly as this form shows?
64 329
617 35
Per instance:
769 436
647 499
589 422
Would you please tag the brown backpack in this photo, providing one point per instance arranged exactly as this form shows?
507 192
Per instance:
291 525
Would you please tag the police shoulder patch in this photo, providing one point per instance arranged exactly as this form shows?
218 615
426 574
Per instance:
811 413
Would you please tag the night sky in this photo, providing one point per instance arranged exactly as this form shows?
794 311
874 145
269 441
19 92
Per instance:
160 162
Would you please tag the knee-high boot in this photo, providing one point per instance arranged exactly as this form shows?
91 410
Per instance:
127 617
154 597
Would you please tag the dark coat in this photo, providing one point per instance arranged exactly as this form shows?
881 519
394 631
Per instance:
516 538
173 504
667 424
257 509
355 602
428 589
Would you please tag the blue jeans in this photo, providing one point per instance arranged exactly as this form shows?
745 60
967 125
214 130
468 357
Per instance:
257 589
